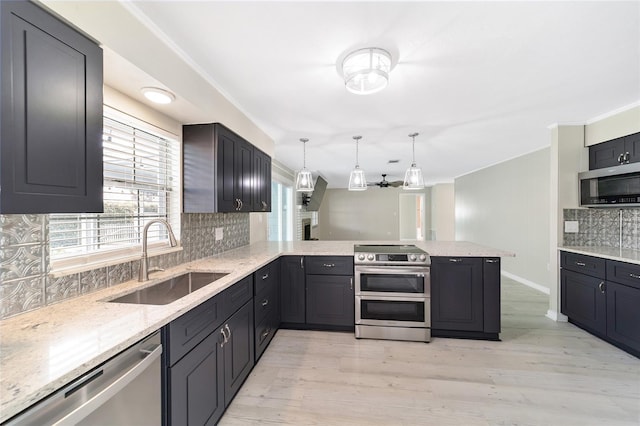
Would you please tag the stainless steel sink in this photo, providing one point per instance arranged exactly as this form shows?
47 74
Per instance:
170 290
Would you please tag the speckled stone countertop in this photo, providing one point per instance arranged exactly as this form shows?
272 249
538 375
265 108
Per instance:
612 253
43 350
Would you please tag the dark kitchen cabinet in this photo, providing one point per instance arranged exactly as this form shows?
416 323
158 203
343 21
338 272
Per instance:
330 300
603 299
292 290
50 114
261 181
623 150
491 295
218 170
584 300
209 352
456 293
266 305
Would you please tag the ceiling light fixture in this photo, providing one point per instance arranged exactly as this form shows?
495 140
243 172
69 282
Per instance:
158 95
366 71
413 177
304 180
357 181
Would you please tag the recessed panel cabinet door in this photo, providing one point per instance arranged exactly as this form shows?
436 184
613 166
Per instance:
330 300
238 350
51 119
292 290
583 300
623 314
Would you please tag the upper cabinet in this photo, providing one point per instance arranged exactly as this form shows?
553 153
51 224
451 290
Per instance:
50 115
615 152
223 172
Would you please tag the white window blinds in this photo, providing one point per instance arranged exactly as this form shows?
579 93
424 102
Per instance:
141 182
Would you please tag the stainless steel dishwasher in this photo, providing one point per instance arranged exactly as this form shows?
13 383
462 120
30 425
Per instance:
126 390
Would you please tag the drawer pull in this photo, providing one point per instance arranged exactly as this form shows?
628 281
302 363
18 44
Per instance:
601 287
265 302
265 276
635 276
265 333
301 263
328 265
491 260
455 260
581 264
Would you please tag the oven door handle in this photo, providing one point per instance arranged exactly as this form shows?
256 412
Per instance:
392 270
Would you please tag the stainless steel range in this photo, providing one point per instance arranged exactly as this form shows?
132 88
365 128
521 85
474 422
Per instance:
393 291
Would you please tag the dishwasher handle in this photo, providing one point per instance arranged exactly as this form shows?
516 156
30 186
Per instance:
100 398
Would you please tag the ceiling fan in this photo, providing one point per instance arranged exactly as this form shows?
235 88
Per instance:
384 183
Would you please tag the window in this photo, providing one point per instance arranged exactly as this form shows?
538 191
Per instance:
141 182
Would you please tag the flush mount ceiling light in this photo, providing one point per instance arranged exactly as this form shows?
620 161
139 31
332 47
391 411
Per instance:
157 95
304 180
413 177
366 71
357 181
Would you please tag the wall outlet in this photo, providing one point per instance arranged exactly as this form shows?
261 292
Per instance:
571 226
219 234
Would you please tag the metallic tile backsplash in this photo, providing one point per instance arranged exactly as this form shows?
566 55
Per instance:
601 227
25 283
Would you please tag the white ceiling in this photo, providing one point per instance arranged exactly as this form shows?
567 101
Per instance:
480 81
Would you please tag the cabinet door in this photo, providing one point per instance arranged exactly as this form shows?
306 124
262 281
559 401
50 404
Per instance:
623 315
491 288
51 114
456 294
330 300
238 350
243 159
261 181
196 385
606 154
584 300
632 147
292 290
226 174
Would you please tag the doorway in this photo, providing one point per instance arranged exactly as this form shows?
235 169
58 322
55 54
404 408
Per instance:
412 217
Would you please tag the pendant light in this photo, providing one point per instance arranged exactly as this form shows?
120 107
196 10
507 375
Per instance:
304 180
413 177
357 181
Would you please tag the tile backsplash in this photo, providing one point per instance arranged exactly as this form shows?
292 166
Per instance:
601 227
25 280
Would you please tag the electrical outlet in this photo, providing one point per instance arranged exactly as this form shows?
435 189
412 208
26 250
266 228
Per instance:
571 226
219 234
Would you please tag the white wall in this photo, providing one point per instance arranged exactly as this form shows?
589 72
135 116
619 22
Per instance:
507 206
443 212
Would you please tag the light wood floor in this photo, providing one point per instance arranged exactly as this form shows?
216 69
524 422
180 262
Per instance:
541 373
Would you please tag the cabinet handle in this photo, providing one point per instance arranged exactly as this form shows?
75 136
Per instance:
351 283
228 330
224 336
264 206
265 276
265 333
601 287
626 157
301 263
620 158
265 302
241 203
635 276
455 260
581 264
491 260
328 265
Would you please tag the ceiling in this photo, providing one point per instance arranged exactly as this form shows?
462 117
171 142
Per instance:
480 81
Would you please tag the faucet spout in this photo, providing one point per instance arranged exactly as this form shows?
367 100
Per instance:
143 274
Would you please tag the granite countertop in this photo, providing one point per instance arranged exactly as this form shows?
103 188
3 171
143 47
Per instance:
42 350
612 253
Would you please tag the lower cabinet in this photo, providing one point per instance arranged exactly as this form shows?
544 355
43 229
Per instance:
330 300
604 300
266 305
209 352
292 290
465 297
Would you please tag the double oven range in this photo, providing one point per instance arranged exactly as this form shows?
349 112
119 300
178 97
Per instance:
392 292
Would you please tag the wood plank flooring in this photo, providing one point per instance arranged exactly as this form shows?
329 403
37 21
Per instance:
541 373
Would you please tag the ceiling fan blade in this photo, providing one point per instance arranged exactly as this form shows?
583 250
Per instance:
396 183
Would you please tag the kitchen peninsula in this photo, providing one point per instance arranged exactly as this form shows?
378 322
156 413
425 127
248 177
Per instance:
43 350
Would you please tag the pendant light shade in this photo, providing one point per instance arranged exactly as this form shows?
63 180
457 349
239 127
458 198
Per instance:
304 179
357 181
413 177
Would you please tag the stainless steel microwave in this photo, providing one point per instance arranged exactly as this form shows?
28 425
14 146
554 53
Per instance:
611 187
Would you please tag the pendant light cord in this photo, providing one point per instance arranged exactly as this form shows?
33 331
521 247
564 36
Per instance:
413 136
304 152
357 139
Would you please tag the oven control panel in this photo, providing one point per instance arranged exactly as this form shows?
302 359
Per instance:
396 259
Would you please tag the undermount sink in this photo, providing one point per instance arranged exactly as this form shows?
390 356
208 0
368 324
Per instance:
170 290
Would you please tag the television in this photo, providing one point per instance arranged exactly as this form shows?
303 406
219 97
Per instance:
312 201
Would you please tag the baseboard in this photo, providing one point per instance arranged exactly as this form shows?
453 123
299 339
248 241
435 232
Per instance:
556 316
535 286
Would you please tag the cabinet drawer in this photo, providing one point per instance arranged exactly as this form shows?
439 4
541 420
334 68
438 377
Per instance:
265 331
185 332
266 278
589 265
265 303
624 273
237 295
329 265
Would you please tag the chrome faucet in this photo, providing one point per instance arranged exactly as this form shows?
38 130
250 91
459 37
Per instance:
143 274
